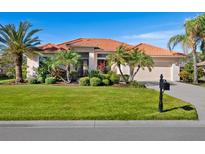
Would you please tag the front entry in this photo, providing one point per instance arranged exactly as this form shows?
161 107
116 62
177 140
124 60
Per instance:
83 67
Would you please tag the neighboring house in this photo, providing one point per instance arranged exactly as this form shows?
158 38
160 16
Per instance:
94 51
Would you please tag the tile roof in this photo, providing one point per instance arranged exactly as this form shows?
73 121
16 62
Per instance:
107 45
104 44
52 48
156 51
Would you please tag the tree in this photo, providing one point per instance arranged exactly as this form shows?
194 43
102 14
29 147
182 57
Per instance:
200 21
66 58
118 58
17 42
138 59
189 41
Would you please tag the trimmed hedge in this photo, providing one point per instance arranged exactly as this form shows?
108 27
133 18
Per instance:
41 80
84 81
32 81
114 78
50 80
95 81
136 84
105 76
106 82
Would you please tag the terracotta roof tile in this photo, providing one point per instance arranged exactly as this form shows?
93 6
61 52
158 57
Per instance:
104 44
156 51
107 45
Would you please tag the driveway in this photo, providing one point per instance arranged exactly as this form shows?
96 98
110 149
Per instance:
187 92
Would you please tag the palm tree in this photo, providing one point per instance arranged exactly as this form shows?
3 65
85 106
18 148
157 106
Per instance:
189 41
118 58
138 59
66 58
200 21
17 42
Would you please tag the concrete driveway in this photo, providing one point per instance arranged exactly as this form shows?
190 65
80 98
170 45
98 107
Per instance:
187 92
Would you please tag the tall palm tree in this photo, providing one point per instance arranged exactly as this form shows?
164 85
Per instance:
189 41
200 21
18 41
67 58
118 58
138 59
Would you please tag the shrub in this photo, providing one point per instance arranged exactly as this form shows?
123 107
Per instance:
94 81
201 72
105 76
84 81
3 77
41 80
187 73
50 80
106 82
94 73
33 81
114 78
136 84
74 75
185 76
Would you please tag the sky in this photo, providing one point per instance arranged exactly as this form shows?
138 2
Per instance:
132 28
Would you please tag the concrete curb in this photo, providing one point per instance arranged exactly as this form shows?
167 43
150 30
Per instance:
101 123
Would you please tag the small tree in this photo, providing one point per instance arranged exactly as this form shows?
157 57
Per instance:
137 60
66 58
118 58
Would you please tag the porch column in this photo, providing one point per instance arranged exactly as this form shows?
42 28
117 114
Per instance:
175 72
32 64
92 61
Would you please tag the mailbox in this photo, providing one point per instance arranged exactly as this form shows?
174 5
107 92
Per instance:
163 85
166 85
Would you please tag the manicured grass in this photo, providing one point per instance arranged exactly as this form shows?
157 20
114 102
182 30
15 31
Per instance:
48 102
6 81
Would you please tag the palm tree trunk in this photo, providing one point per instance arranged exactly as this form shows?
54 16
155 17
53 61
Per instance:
18 60
133 76
68 73
195 81
119 67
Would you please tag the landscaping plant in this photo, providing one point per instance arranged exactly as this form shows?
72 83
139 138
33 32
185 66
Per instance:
106 82
50 80
84 81
66 58
18 41
95 81
194 35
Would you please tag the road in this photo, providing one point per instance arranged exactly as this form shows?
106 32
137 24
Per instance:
103 131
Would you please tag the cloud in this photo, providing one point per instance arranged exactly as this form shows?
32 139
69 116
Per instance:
157 35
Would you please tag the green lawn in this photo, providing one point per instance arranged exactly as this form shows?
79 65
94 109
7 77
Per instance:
6 81
47 102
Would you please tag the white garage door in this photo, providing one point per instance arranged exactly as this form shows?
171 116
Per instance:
154 75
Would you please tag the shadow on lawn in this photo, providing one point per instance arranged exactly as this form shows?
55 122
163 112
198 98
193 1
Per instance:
186 108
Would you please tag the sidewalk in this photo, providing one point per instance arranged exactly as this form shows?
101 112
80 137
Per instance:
102 123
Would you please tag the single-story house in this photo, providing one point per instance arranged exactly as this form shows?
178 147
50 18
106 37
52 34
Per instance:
94 51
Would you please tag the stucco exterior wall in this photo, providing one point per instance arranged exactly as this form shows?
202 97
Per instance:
32 64
92 56
169 67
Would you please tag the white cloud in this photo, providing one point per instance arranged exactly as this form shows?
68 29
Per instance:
157 35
